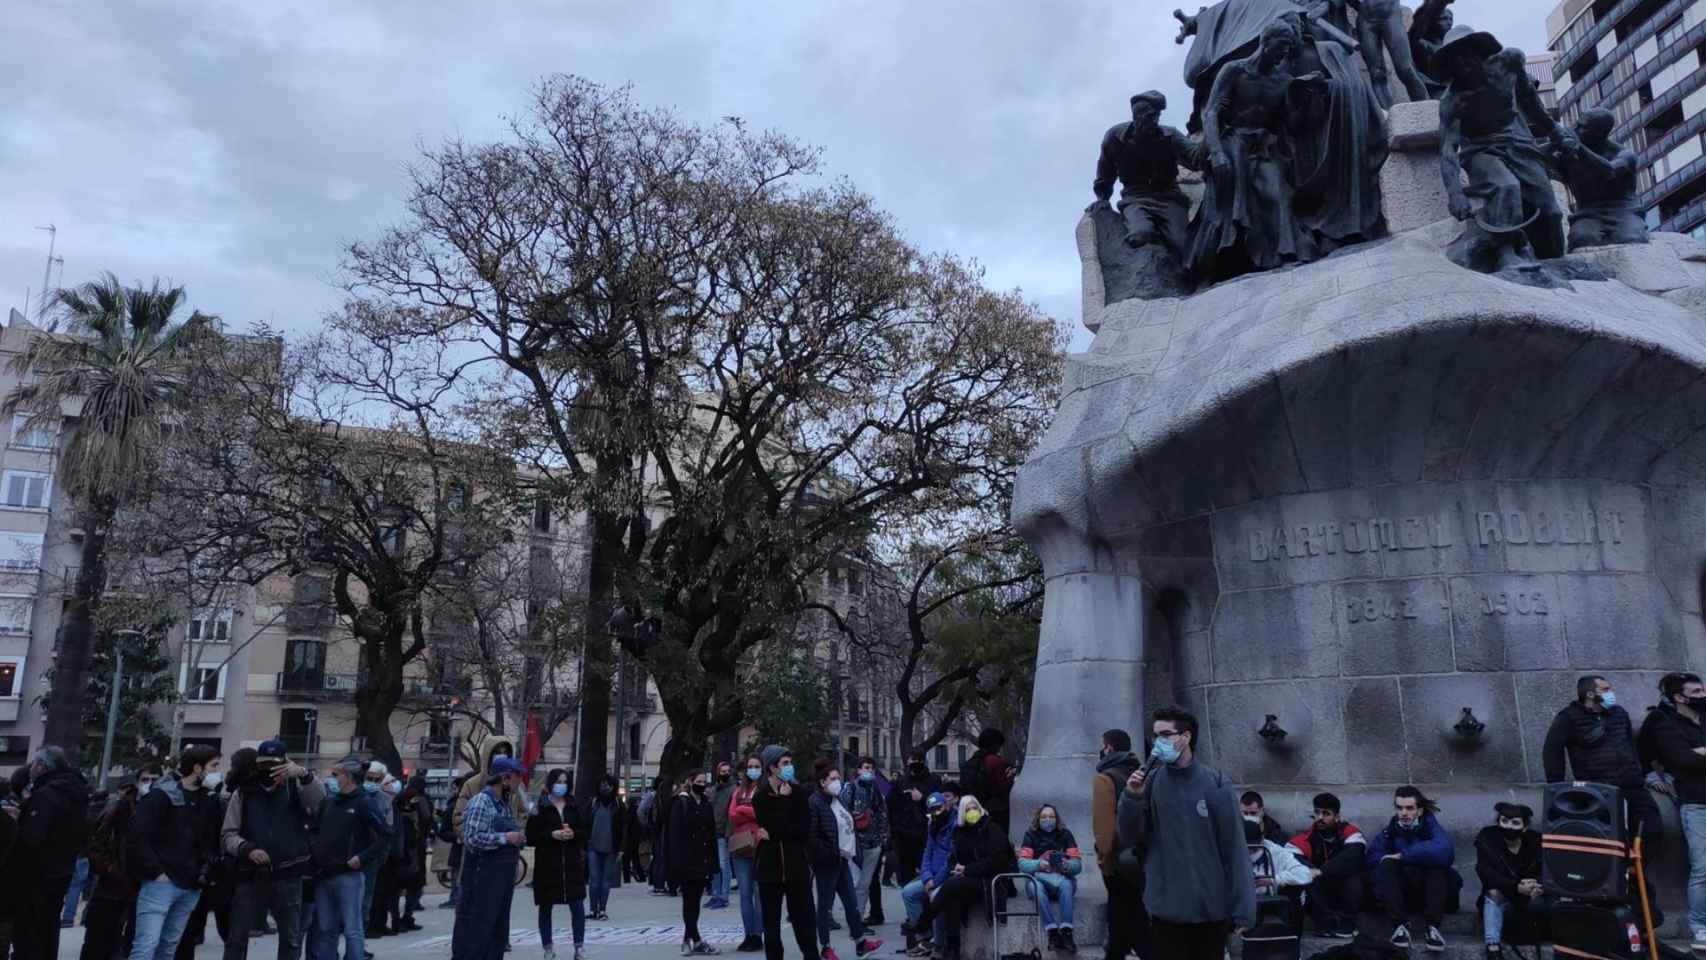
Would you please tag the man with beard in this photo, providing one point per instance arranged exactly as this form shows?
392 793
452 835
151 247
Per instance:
1145 157
266 834
1128 923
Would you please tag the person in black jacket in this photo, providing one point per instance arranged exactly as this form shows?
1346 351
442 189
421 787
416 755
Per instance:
557 835
1508 863
52 827
176 836
605 817
833 846
692 846
783 867
1599 739
351 832
981 851
217 881
1679 739
265 833
110 875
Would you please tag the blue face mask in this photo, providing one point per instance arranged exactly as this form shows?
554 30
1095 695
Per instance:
1166 750
786 773
332 785
1047 823
753 773
1609 700
368 786
559 789
866 776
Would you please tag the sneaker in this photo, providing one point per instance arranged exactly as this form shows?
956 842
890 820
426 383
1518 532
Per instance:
1066 942
407 925
1433 941
580 952
828 954
550 954
687 948
1401 937
705 950
448 904
867 946
1699 944
1053 939
1495 952
751 944
923 949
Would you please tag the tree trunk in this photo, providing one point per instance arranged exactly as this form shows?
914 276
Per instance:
76 637
593 735
378 691
683 751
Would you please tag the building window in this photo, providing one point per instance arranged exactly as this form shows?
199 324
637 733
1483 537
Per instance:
40 436
211 626
941 756
1672 33
1680 156
298 727
16 613
634 744
853 749
14 751
391 541
456 495
203 684
28 490
542 514
962 754
20 551
11 677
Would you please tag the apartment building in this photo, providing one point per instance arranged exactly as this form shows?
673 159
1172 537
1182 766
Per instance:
1643 61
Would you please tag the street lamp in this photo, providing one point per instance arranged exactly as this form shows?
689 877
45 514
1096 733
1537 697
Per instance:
112 703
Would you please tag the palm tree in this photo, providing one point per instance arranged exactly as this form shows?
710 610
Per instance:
127 364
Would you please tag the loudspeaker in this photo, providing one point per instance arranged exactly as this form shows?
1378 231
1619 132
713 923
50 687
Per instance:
1594 931
1584 850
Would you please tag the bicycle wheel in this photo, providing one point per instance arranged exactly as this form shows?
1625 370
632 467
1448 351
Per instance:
520 871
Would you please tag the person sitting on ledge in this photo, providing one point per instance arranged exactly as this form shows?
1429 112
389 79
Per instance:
1050 854
1508 863
1335 851
1251 807
1412 863
980 852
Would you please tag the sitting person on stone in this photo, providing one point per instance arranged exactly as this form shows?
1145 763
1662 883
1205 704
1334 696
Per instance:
1050 854
1145 156
1412 862
1285 872
1253 810
1600 173
1489 118
1508 864
981 852
1336 854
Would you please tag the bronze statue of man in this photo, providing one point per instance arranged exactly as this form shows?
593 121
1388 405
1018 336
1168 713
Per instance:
1600 173
1145 156
1489 118
1380 31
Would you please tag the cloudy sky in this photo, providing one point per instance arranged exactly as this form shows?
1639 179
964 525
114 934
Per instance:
234 148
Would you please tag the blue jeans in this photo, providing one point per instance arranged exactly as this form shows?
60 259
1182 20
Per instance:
482 915
1055 892
720 882
577 916
914 898
1694 830
162 911
751 912
79 881
600 877
1493 915
832 882
337 909
369 883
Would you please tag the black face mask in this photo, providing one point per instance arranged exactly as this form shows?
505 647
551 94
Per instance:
723 777
1512 833
604 789
699 788
919 770
1697 704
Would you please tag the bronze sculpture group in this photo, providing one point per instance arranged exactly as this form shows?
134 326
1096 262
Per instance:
1290 134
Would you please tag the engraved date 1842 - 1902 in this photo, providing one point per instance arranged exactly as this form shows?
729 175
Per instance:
1518 602
1376 609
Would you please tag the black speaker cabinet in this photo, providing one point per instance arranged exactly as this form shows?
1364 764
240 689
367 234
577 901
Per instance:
1596 931
1584 852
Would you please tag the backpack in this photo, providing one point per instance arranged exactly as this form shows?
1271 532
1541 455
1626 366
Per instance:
446 826
974 780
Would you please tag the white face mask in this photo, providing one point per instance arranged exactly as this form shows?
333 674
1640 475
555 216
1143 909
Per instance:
1253 817
142 791
833 788
211 780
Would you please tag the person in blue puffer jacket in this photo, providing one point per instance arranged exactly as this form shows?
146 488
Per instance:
1412 864
938 850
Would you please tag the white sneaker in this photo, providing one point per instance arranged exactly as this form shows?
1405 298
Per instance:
1699 944
580 952
550 954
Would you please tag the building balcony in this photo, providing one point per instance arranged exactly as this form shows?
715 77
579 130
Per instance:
320 685
434 749
204 711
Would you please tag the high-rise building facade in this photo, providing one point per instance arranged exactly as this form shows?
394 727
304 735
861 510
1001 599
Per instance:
1642 61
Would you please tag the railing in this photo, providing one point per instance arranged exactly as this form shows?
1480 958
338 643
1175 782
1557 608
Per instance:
1687 42
1601 27
434 748
318 683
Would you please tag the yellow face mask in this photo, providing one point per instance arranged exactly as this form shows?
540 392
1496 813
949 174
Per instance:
973 816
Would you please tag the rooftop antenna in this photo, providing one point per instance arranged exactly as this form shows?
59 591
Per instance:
47 269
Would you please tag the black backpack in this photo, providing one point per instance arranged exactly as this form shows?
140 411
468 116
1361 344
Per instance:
446 827
973 781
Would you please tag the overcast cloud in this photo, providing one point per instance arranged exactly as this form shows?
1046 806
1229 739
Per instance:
235 147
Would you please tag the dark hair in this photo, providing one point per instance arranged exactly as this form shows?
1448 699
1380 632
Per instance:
1179 717
1251 796
953 787
1117 739
242 772
867 761
195 755
823 768
1585 685
917 755
990 740
1413 793
1678 681
148 768
1327 801
1037 818
551 778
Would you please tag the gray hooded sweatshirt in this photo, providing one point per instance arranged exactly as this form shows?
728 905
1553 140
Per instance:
1197 868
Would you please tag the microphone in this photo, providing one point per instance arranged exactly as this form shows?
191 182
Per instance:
1151 762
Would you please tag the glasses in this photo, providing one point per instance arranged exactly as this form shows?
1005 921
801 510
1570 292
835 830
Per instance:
1166 734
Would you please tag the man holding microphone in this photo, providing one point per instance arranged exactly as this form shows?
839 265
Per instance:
1198 883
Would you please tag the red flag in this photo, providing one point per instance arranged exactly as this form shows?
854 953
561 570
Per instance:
531 747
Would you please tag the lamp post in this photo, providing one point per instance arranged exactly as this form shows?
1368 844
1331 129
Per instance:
112 703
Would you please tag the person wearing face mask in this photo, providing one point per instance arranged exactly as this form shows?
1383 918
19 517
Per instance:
741 838
692 855
909 822
176 834
721 790
1128 922
1597 737
1412 863
265 833
415 825
51 812
218 882
1197 877
864 801
376 886
783 866
557 833
1050 854
834 849
1254 810
351 833
933 872
490 751
606 831
1508 864
491 846
981 851
1679 741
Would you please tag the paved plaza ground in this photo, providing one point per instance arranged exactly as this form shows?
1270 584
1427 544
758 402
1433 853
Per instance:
641 927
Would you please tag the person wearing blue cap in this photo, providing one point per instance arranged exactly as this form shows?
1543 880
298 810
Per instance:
932 872
491 845
266 835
